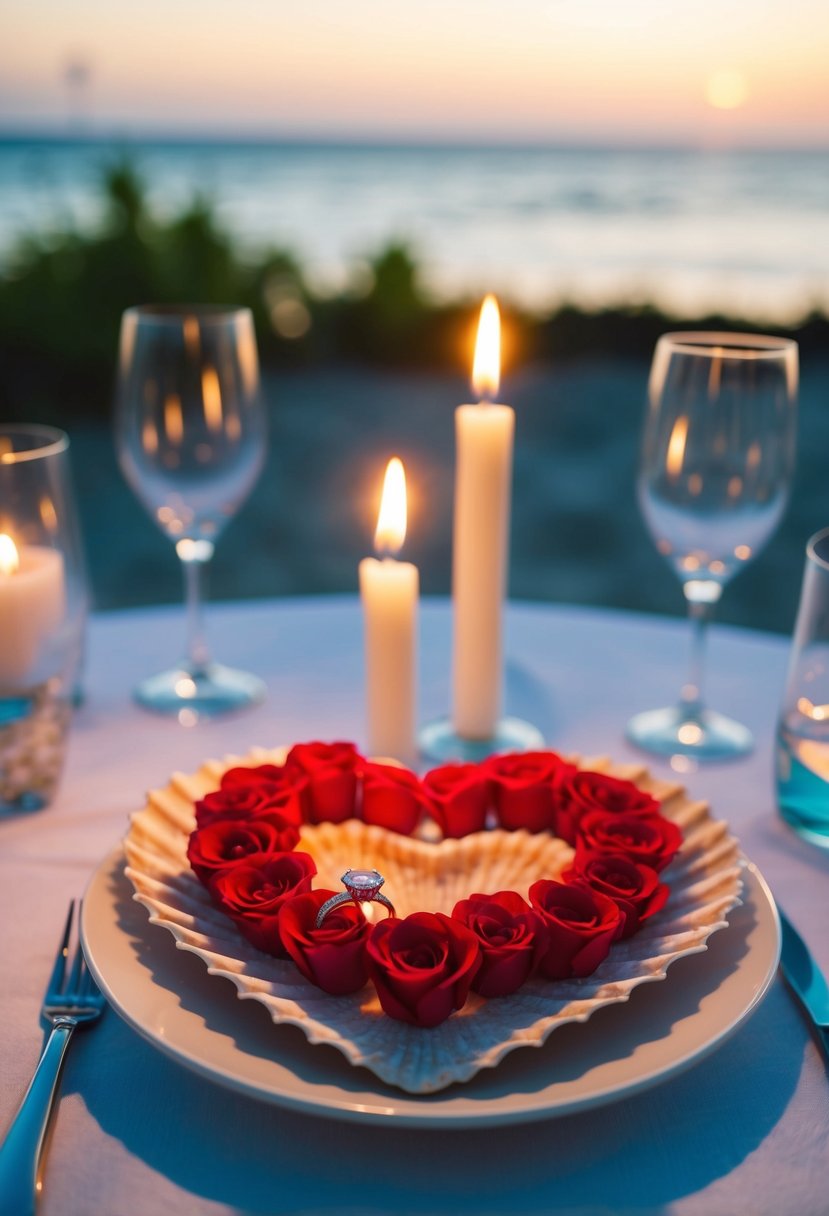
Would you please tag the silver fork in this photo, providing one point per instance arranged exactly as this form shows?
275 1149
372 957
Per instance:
72 999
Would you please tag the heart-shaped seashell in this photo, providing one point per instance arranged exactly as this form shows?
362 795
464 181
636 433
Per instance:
430 877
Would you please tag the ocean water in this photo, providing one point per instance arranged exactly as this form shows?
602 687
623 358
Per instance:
745 233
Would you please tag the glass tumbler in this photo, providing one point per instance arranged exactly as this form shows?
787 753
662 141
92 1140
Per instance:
802 753
43 606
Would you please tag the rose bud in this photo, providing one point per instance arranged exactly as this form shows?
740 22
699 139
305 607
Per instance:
653 841
422 967
331 769
228 842
253 893
512 938
581 925
584 791
334 956
393 797
459 798
522 787
237 800
634 887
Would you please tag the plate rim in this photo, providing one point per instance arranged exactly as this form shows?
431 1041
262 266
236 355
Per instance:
402 1109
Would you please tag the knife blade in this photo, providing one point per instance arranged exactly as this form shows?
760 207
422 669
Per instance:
805 980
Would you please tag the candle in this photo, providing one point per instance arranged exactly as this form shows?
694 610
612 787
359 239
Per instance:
31 607
389 592
483 479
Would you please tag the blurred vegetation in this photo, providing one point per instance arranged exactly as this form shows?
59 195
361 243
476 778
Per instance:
62 295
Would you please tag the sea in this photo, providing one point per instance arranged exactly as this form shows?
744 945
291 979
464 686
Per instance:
743 233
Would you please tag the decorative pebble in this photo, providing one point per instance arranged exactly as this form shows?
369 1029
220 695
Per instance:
32 750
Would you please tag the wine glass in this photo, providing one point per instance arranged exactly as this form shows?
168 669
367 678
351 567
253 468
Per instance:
716 464
190 436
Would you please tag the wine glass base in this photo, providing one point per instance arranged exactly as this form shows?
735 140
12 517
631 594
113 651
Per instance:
440 741
207 693
706 735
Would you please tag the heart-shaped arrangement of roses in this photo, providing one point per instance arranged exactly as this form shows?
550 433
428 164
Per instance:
554 890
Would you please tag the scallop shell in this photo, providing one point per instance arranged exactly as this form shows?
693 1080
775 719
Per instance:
421 876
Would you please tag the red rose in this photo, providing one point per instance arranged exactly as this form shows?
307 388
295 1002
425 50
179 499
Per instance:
334 956
253 893
393 797
459 796
422 967
228 842
512 938
522 784
634 887
652 841
256 774
238 801
581 924
331 769
583 791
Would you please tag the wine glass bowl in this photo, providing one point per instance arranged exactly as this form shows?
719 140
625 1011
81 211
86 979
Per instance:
716 466
190 436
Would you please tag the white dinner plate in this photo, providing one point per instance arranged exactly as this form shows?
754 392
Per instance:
169 997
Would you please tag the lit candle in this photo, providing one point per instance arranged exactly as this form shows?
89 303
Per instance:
389 591
31 607
483 480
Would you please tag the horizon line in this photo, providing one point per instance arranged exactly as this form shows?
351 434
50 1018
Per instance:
378 141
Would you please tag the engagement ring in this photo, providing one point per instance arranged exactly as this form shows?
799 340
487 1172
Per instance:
361 887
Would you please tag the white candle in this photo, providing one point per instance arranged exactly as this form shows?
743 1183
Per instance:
389 591
483 483
31 607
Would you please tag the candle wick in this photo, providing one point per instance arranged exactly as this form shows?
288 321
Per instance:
386 553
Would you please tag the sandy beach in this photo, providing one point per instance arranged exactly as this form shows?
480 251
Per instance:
577 535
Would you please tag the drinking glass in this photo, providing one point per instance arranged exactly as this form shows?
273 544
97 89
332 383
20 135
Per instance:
716 465
190 435
802 755
43 608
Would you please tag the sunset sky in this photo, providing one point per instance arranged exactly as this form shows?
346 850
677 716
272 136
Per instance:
740 72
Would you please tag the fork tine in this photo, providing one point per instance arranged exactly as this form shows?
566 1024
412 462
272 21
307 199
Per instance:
73 982
59 969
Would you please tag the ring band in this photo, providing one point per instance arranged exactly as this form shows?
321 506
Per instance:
361 887
344 897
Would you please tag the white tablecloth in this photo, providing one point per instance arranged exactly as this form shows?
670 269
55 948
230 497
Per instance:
746 1130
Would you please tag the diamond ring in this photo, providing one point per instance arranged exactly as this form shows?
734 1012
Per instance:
361 887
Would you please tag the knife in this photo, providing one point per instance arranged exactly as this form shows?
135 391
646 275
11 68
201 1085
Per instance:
805 980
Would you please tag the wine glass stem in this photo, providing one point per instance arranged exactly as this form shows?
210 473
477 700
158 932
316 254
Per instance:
691 698
198 655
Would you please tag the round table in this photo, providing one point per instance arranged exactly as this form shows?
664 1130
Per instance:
744 1130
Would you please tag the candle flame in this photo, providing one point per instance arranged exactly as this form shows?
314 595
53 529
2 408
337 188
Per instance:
486 369
391 521
9 559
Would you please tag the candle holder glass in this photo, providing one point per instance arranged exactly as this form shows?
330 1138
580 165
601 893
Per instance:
43 608
440 741
802 752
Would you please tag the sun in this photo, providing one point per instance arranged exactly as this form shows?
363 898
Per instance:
726 89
